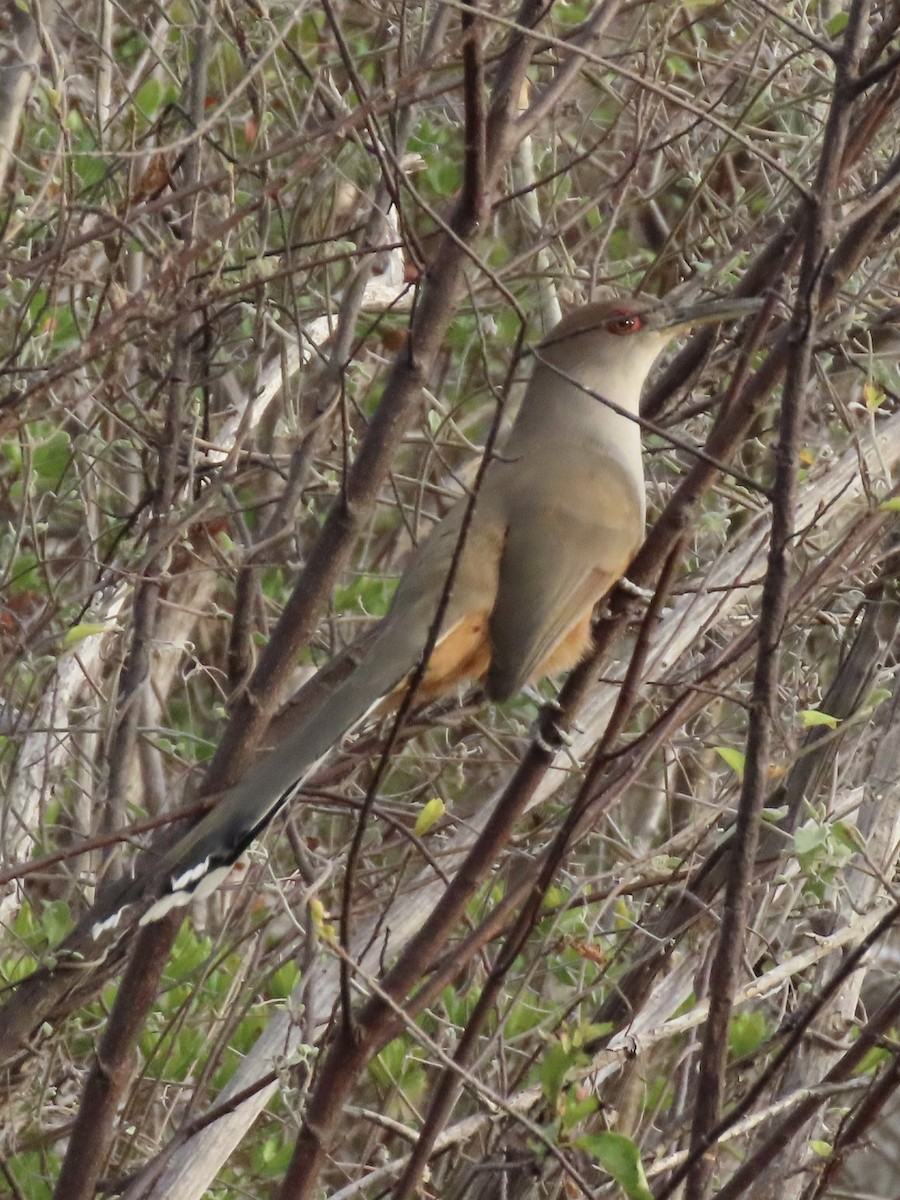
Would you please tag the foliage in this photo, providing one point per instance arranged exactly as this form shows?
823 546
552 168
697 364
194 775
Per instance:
217 224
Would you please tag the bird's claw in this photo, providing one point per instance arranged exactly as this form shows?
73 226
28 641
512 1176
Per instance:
634 589
541 742
547 733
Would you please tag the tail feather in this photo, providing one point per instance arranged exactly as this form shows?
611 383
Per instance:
198 861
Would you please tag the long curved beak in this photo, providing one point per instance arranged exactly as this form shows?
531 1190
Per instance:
673 318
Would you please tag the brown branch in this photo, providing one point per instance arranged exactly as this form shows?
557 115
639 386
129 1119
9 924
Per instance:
710 1086
411 688
451 1080
115 1065
117 1057
125 833
474 195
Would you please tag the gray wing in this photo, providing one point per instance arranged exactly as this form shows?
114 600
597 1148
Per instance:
560 557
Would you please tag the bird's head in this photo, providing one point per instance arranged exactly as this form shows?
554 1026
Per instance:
614 343
624 325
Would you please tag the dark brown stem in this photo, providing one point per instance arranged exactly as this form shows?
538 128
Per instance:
116 1059
474 197
730 943
113 1068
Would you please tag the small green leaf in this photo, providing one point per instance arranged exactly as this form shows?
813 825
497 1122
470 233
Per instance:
823 1149
149 98
810 717
809 839
619 1156
283 981
320 922
553 1069
521 1018
25 576
891 505
848 836
51 458
85 630
428 816
592 1030
872 1060
734 758
56 921
747 1031
873 396
837 24
577 1108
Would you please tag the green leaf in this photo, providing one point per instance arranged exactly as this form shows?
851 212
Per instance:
283 981
51 458
873 396
29 1172
25 576
554 1065
847 835
577 1108
872 1060
554 897
56 921
837 24
61 324
446 178
521 1018
747 1031
892 505
319 918
85 630
429 815
272 1157
811 717
620 1157
591 1030
370 594
149 98
809 838
678 66
823 1149
734 758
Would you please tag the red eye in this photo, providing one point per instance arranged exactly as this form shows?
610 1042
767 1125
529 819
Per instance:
624 322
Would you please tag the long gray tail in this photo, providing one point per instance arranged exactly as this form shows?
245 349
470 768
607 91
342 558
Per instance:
197 863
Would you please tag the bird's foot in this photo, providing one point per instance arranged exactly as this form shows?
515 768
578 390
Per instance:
547 733
634 589
543 743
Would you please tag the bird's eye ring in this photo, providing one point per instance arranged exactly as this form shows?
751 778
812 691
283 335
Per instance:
624 323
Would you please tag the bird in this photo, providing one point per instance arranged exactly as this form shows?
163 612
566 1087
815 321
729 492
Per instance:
555 523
